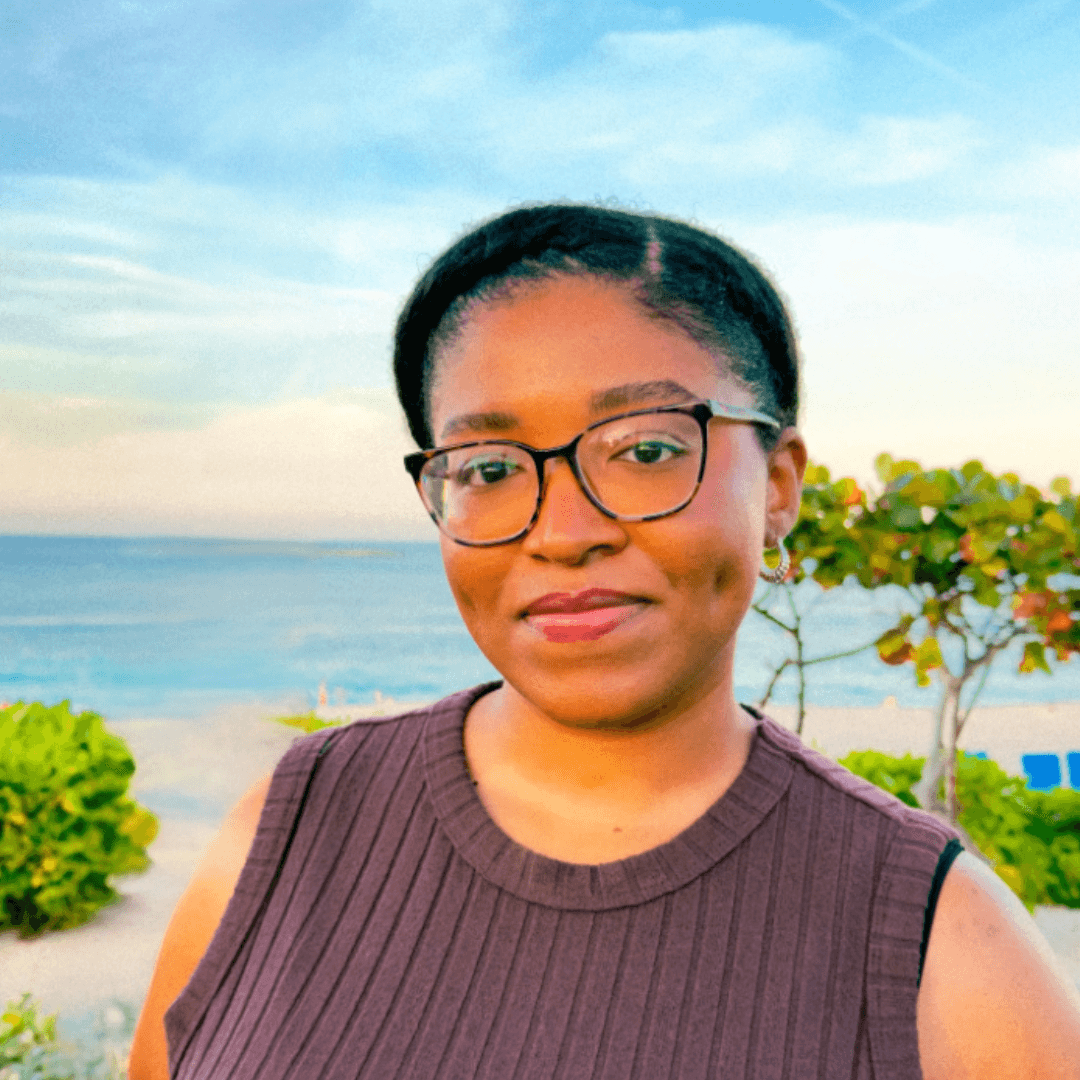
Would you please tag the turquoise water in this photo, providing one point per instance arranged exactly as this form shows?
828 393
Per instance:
176 627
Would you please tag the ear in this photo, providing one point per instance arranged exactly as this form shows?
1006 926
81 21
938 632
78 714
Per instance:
786 464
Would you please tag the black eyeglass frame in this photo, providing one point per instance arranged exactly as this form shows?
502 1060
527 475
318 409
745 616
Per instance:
702 411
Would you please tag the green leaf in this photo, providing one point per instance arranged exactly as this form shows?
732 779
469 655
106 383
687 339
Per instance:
893 646
883 466
925 490
307 722
905 516
1053 520
941 545
898 470
928 654
141 828
1022 508
1034 657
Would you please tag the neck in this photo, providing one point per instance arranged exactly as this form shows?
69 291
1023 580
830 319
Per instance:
692 750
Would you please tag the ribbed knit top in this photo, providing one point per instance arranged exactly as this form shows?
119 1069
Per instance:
385 927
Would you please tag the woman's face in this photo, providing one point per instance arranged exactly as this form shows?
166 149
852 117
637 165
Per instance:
538 367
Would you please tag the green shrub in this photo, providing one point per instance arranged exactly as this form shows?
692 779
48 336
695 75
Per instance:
1031 838
997 811
66 823
30 1049
896 775
27 1042
1056 821
306 722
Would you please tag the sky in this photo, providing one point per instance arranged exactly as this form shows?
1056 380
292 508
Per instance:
212 210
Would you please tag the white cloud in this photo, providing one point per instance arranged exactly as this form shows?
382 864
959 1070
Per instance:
637 92
449 89
208 293
891 150
1046 173
387 71
940 342
311 469
687 109
180 225
35 226
52 422
881 150
184 336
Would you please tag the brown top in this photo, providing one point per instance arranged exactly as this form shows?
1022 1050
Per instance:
384 926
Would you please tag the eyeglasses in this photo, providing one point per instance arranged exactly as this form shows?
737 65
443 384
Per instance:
637 466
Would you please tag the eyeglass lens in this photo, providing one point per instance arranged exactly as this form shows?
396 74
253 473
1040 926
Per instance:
634 467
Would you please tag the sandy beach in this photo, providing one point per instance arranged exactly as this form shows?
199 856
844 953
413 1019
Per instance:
191 772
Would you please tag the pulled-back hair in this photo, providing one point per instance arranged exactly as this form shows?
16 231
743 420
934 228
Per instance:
709 288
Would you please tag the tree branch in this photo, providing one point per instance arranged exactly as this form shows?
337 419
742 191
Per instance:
773 681
962 720
773 619
839 655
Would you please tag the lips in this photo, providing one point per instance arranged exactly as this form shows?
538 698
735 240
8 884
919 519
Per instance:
583 616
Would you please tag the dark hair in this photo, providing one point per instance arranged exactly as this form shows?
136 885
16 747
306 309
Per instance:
712 290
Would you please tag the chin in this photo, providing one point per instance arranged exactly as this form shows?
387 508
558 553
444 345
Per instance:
608 701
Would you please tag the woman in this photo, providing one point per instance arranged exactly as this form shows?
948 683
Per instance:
601 866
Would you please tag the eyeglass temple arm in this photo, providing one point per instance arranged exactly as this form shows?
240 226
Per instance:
737 412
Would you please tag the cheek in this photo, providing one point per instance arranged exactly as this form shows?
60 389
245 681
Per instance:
718 548
456 566
475 577
709 562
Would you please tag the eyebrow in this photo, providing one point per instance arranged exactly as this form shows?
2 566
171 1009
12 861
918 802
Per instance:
479 423
641 393
626 396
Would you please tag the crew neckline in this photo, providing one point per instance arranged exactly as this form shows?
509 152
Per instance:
637 879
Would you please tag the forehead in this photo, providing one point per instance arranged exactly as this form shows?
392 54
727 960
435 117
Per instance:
568 347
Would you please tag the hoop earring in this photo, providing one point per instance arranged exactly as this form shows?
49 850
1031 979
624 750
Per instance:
777 576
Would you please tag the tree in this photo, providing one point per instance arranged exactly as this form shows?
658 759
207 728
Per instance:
984 561
829 508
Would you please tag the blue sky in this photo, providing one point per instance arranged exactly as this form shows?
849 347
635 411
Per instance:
210 212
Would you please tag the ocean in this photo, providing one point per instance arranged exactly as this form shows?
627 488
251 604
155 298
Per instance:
141 628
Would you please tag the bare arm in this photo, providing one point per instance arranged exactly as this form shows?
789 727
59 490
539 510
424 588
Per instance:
190 929
994 1001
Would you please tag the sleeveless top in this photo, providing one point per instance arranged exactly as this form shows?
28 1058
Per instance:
385 927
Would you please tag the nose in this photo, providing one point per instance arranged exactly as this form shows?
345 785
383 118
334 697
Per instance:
569 527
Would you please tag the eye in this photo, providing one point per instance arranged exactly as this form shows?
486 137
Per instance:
651 452
483 471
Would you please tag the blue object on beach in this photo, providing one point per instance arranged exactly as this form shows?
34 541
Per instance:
1073 758
980 754
1043 771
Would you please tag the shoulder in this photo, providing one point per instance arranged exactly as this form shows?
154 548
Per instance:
402 728
192 927
902 823
259 824
994 1001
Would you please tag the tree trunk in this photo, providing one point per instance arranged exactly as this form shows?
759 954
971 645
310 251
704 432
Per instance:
926 789
941 760
952 733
